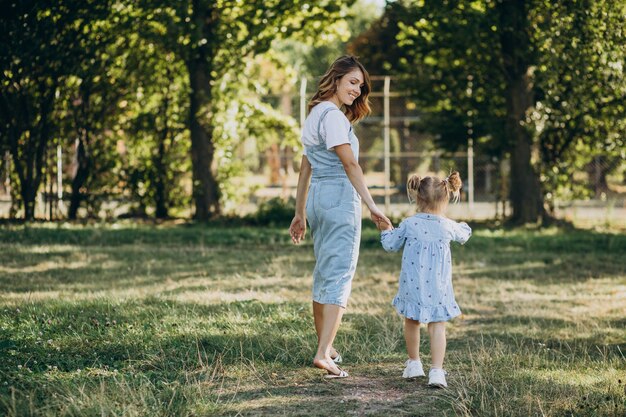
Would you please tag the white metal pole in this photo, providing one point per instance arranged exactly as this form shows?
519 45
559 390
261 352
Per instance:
60 205
302 101
386 141
470 174
7 170
470 148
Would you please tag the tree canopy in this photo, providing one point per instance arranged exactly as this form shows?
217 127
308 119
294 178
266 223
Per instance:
527 77
153 103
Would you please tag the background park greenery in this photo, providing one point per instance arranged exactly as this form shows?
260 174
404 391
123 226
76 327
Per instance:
153 100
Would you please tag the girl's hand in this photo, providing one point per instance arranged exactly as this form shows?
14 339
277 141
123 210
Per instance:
383 226
297 229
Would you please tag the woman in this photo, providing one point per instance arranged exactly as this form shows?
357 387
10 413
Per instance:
333 207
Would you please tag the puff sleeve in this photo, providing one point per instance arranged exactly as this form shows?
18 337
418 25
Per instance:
462 232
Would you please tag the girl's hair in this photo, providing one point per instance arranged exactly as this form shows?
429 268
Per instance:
328 86
431 192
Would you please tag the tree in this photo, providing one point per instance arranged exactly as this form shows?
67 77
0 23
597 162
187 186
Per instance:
515 54
580 108
89 106
517 58
212 38
42 42
153 129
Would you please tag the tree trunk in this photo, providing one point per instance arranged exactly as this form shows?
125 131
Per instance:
205 187
82 173
273 161
525 192
158 161
29 161
160 175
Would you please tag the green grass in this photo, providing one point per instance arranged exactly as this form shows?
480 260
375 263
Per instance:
192 320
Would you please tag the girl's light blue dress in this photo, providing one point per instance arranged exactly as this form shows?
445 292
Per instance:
425 292
333 210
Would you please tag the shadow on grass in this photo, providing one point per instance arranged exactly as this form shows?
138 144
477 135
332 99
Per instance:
136 266
167 343
112 235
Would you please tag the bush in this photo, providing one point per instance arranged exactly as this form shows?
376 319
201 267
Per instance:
274 212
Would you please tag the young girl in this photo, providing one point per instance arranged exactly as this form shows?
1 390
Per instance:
425 294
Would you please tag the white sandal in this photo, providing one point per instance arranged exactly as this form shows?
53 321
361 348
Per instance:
341 374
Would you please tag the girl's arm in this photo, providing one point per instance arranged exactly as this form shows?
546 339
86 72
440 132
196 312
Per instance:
355 174
393 239
462 232
298 224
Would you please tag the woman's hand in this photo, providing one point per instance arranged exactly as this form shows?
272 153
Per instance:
377 216
297 229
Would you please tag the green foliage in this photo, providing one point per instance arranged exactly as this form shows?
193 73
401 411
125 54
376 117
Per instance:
580 113
274 212
243 120
452 53
153 127
43 43
311 53
119 76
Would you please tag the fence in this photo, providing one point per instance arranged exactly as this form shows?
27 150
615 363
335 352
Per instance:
392 147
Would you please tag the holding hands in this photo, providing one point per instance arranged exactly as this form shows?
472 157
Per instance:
382 222
297 229
381 225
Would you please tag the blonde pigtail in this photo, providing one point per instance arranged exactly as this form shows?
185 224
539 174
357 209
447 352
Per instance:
412 186
453 184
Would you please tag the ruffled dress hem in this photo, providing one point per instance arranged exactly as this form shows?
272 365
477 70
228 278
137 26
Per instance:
426 314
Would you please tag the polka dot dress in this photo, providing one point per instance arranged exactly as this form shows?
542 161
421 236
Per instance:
425 292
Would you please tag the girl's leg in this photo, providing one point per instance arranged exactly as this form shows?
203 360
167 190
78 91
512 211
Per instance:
437 333
318 316
327 319
412 338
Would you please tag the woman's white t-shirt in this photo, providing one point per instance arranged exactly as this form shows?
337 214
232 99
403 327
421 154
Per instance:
335 128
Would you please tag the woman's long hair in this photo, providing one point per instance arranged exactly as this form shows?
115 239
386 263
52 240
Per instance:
328 87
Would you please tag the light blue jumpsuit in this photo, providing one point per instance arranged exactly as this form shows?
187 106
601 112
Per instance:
333 210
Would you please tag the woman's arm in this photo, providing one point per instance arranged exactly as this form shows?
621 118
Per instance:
298 224
355 174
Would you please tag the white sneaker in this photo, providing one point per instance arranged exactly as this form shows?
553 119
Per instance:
437 378
413 369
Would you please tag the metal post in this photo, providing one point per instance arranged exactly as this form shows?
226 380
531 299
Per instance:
470 174
7 170
302 101
60 205
470 149
386 141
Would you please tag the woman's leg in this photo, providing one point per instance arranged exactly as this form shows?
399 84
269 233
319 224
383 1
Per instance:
327 319
412 338
437 331
318 317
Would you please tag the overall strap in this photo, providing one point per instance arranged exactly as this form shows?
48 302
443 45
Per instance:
319 125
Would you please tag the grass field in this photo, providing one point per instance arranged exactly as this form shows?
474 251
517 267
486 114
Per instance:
195 320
